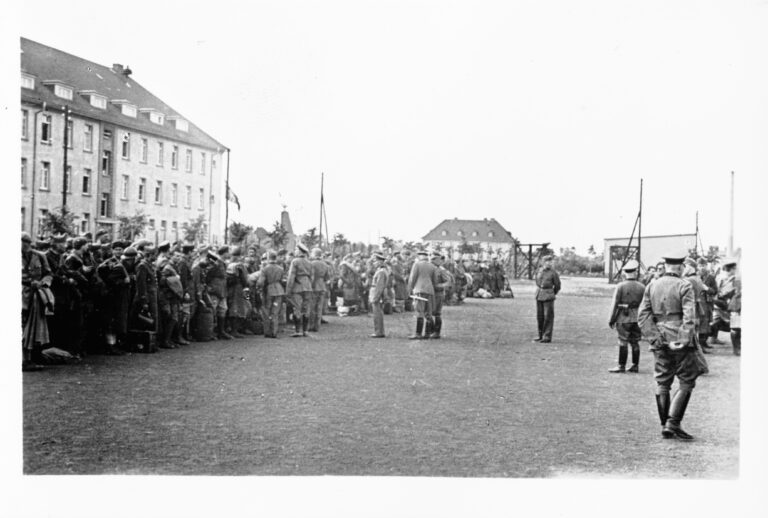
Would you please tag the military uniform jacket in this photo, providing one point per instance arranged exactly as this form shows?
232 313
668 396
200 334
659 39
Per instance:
113 273
271 280
378 291
699 294
626 301
423 278
299 276
216 279
321 274
547 284
34 267
198 290
668 312
444 280
146 281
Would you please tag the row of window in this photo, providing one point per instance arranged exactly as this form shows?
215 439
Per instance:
99 101
460 233
46 137
85 224
86 187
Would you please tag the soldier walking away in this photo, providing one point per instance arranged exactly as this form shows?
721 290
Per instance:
216 279
237 293
444 281
626 300
667 321
299 287
377 295
547 288
271 285
421 283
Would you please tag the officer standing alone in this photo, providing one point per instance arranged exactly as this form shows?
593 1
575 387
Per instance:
548 286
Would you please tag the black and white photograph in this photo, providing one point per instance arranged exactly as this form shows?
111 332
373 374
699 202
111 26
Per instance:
385 258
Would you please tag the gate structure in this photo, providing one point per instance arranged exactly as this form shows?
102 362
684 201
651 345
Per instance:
526 259
620 256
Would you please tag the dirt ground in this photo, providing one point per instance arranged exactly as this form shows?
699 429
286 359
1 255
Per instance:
484 401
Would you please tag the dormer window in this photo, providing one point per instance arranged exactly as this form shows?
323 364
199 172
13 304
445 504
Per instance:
474 233
96 100
126 108
154 115
179 123
460 233
490 234
61 89
444 233
27 81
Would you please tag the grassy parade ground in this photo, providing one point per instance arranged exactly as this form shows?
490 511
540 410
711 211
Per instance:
484 401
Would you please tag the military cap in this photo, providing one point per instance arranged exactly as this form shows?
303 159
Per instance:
42 244
379 257
59 238
213 255
187 247
316 252
87 236
119 243
236 250
79 242
729 261
223 249
141 243
164 246
675 256
549 257
130 252
631 266
690 261
422 252
282 251
302 247
26 237
104 245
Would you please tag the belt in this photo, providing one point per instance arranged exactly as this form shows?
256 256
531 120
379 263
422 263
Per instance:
668 316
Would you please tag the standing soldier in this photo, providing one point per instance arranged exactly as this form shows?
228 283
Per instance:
320 277
59 287
710 292
77 277
184 267
421 283
216 279
377 294
170 296
398 275
198 292
299 286
547 288
444 280
725 290
145 298
626 300
237 293
690 274
734 306
667 320
36 301
115 304
271 285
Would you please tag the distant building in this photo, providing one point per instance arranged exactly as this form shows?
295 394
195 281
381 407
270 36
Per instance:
651 249
487 233
127 150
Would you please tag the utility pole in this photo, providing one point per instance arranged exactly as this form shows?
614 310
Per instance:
67 111
320 228
226 205
640 225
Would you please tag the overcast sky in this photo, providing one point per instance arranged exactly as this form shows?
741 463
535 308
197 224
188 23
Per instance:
543 115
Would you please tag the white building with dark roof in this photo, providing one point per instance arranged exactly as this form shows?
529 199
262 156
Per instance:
487 233
128 150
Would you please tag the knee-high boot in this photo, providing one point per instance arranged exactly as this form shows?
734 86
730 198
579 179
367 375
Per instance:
304 324
676 413
635 358
662 405
419 327
623 353
437 327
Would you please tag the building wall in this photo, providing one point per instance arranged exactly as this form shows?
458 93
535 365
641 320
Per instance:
652 247
505 247
87 207
83 205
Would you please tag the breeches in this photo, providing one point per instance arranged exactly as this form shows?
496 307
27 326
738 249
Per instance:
301 302
629 332
219 305
682 363
424 307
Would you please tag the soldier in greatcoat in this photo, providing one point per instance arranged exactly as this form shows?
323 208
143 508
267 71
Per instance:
270 283
378 294
626 301
421 283
547 288
321 276
238 306
114 306
36 302
299 287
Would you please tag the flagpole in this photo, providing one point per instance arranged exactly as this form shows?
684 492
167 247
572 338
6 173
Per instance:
226 205
320 240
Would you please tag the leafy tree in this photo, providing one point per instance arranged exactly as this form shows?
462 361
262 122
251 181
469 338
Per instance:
339 240
591 250
239 232
59 221
387 243
279 235
132 226
194 229
311 238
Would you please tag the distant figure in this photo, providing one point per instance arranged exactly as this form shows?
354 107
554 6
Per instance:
667 321
377 294
421 284
548 286
626 300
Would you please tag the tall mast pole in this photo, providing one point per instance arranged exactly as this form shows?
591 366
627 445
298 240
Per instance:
640 225
66 148
226 204
730 234
320 241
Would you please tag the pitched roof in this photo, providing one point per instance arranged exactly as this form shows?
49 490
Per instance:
49 64
468 227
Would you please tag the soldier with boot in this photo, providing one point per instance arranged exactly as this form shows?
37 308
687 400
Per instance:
216 279
299 286
547 288
377 295
321 275
626 300
444 281
421 283
667 321
270 284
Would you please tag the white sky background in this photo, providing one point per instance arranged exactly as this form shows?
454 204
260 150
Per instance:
544 115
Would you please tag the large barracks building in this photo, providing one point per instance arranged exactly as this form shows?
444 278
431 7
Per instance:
126 150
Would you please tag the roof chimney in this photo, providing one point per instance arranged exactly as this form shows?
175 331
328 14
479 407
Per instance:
127 72
117 68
